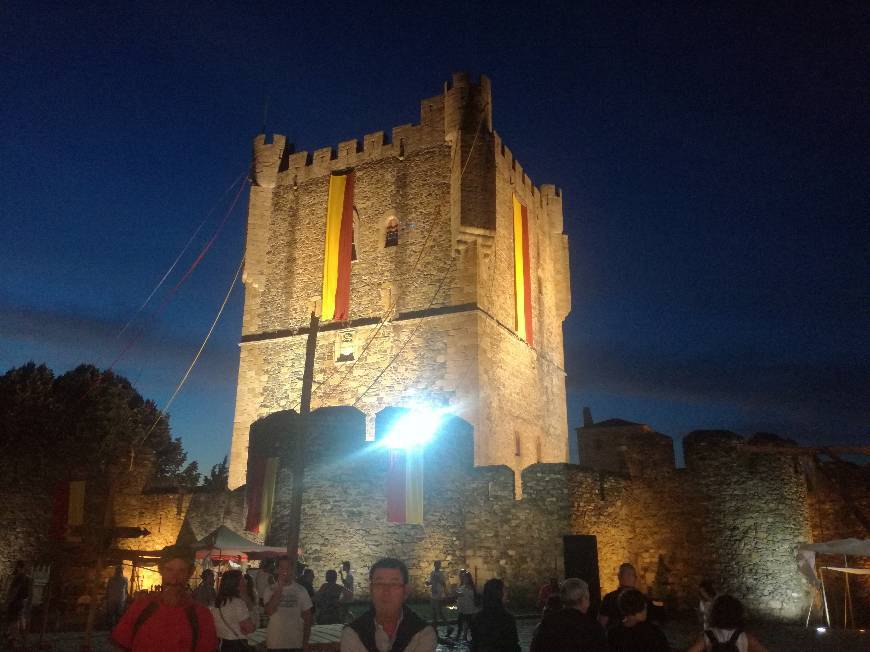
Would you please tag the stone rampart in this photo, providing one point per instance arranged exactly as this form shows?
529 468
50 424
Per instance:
754 513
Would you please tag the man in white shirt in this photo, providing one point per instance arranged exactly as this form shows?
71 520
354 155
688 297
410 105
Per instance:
389 626
289 608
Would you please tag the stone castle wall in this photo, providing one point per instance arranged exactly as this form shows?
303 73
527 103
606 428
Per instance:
754 513
731 516
25 522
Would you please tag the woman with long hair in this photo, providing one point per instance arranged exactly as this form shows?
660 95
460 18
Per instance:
727 625
232 618
494 629
466 605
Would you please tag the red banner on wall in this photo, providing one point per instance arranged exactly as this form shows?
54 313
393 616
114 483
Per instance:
522 273
405 486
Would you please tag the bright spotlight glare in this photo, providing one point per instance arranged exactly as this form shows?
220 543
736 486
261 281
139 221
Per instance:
414 428
821 630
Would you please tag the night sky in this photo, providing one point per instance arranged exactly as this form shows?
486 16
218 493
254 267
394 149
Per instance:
713 161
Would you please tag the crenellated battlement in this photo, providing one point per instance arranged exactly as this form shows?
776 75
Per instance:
463 106
545 195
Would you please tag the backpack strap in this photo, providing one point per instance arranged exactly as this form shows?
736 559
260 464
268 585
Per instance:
710 636
144 615
734 636
226 622
190 610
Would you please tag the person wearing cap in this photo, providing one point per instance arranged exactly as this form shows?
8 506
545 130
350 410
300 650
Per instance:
169 621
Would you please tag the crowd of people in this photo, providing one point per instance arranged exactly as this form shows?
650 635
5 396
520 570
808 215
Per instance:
283 601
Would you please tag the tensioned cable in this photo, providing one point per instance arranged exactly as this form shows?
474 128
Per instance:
180 254
409 338
184 278
332 390
392 306
198 353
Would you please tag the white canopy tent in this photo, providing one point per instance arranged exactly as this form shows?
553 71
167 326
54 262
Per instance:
850 547
224 544
806 560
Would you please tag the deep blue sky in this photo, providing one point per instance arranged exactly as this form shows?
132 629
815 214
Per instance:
714 163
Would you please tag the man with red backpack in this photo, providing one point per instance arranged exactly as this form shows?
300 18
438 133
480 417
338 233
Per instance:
169 621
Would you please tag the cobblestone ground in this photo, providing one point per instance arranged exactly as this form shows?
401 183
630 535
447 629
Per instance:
776 637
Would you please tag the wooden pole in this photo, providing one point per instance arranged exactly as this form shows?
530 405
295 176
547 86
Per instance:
825 597
299 446
108 515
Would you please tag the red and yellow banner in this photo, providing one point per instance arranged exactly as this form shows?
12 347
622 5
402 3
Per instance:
261 494
405 486
522 272
68 509
339 242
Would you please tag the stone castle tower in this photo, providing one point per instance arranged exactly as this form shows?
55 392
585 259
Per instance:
455 294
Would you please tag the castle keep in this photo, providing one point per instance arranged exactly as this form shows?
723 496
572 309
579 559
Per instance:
454 293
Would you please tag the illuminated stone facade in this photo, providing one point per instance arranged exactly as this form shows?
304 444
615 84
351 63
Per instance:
432 318
733 515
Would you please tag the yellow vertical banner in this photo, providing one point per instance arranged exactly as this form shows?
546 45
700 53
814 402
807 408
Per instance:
270 476
334 209
414 486
519 270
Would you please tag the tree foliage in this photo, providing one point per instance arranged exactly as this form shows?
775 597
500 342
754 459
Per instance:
80 421
218 478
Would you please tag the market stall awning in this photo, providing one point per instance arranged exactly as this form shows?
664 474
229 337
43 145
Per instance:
849 547
223 543
850 571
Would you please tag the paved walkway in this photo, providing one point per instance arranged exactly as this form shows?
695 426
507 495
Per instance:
681 633
775 637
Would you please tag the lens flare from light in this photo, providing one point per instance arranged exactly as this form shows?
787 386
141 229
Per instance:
413 429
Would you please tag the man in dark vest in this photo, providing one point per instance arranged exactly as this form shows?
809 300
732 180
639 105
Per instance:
389 626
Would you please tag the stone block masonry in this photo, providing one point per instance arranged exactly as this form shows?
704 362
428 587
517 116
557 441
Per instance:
733 515
444 291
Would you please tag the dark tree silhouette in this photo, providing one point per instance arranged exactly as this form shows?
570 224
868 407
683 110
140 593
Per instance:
218 478
84 419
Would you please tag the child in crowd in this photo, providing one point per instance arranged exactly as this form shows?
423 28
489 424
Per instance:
726 632
634 633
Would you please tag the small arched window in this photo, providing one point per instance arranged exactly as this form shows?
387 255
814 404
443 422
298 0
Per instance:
391 235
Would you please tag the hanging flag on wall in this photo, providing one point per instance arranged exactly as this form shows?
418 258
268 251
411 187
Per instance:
405 486
522 272
68 508
261 494
338 250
